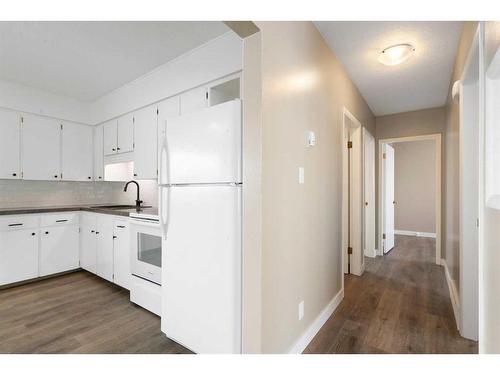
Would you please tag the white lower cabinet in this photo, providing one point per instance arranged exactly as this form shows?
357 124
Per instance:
121 253
88 243
59 249
18 255
104 233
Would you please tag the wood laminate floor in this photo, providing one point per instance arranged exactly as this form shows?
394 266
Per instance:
401 304
77 313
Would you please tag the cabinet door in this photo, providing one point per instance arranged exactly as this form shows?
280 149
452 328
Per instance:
10 145
110 129
193 100
88 243
98 153
104 233
59 249
145 138
41 148
18 255
126 133
122 273
77 152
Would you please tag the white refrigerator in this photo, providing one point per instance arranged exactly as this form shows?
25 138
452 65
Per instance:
200 216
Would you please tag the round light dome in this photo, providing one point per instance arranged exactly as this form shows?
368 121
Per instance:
396 54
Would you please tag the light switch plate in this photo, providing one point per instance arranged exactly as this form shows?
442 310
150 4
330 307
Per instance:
301 175
301 310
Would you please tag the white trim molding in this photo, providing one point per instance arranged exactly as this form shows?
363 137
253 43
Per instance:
414 234
454 296
370 253
301 344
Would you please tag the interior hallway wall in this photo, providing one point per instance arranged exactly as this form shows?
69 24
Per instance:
407 124
451 191
304 88
415 186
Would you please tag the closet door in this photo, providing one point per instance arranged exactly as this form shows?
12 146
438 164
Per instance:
77 152
10 143
41 153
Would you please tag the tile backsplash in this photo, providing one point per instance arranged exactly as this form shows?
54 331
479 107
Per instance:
22 193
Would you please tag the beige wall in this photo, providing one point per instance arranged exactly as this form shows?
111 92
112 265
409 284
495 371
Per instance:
452 159
490 336
407 124
304 88
415 186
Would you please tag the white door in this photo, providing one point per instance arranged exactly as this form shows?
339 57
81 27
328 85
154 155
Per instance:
369 193
145 138
121 254
104 233
59 249
389 198
10 145
41 148
201 268
18 255
98 153
203 146
77 152
193 100
110 137
88 243
125 135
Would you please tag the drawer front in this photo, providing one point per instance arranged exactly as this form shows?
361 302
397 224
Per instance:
12 222
64 218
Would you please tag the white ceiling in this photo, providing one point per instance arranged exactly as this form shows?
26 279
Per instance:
85 60
420 82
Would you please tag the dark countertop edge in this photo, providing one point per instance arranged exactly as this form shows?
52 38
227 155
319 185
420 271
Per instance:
40 210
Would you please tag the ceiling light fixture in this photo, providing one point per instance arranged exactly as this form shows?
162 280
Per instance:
396 54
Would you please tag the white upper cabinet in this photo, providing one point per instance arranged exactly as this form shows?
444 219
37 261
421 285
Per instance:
125 135
77 151
145 152
193 100
10 142
110 137
98 153
41 151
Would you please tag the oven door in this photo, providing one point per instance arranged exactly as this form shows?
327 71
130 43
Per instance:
146 250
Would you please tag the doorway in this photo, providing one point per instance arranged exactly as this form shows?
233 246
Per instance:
388 225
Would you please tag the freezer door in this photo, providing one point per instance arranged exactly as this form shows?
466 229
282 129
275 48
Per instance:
201 269
203 146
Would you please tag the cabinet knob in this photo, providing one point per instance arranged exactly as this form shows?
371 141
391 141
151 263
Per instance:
118 148
96 232
100 177
33 234
90 178
114 237
92 231
55 176
46 232
14 174
135 174
113 149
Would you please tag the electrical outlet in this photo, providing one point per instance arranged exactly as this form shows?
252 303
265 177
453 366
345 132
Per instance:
301 175
301 310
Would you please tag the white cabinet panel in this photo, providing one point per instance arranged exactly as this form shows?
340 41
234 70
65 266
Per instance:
10 143
18 255
125 133
110 137
104 232
98 153
193 100
77 151
122 273
41 148
88 243
59 249
145 138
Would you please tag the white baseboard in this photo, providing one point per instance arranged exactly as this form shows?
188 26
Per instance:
371 253
314 328
415 234
454 296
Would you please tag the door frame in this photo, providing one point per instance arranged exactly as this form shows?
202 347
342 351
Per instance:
381 189
347 115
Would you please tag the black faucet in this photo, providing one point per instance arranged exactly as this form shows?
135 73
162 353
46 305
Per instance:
137 201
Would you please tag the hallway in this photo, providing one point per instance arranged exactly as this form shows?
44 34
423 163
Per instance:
401 304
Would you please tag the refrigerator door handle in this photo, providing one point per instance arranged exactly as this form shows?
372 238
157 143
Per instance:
164 159
164 205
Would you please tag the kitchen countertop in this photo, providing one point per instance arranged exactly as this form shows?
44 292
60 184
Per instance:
123 210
